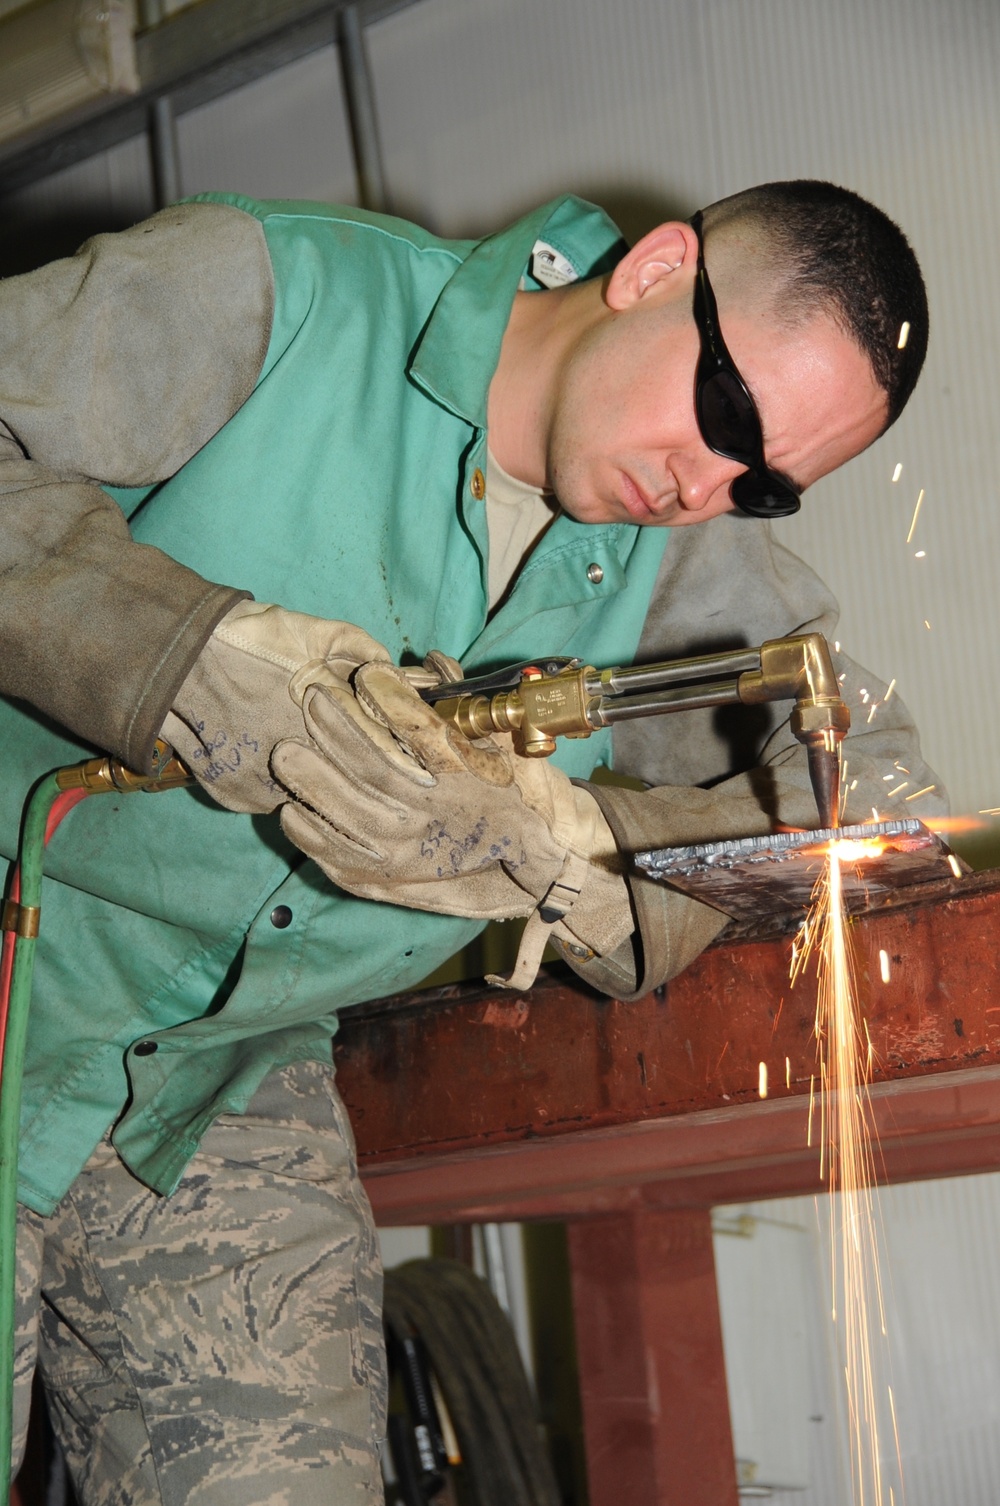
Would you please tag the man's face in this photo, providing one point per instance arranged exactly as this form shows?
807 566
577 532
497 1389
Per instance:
624 444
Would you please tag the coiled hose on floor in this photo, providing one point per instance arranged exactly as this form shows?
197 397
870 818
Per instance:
477 1364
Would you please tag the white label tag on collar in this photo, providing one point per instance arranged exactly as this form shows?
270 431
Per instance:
550 267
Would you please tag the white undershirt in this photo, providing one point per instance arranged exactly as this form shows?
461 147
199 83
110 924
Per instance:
516 517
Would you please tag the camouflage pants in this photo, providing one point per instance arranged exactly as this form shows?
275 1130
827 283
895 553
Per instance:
222 1346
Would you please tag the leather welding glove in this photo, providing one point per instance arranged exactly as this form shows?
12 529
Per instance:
394 804
244 695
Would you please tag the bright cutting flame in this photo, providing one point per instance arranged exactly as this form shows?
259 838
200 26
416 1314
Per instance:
846 1056
855 851
956 825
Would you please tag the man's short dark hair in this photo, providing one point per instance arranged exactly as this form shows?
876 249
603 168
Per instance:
845 257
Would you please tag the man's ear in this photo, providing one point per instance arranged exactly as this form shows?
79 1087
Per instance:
647 269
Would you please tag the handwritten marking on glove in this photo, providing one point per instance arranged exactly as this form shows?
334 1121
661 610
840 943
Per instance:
227 750
216 756
452 854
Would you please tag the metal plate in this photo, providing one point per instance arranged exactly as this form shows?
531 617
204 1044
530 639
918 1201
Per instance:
756 877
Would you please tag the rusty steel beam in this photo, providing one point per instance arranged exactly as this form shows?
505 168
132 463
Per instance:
688 1160
477 1104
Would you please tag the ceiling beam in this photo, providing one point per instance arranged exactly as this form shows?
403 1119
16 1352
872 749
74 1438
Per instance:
193 57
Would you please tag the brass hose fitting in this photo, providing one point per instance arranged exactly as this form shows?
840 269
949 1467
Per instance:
100 775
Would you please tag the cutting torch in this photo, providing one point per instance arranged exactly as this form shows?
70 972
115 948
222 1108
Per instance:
539 701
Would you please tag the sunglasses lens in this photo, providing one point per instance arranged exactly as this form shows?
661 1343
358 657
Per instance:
763 496
726 415
727 418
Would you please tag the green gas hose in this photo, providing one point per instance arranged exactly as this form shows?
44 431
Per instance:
32 850
42 814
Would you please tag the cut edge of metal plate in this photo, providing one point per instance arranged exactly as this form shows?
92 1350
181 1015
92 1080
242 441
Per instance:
666 860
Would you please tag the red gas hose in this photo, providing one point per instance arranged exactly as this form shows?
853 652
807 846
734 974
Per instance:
61 806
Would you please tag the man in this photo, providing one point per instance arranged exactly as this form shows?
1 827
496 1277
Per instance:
298 400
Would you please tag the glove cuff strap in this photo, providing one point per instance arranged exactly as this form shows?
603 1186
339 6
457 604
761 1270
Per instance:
553 907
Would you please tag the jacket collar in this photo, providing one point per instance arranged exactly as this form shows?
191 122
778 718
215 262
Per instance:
457 354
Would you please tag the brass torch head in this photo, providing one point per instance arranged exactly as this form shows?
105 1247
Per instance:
801 669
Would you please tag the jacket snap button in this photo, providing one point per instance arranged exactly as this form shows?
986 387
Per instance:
595 574
281 917
478 484
146 1048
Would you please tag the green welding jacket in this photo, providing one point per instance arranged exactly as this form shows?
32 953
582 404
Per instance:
186 950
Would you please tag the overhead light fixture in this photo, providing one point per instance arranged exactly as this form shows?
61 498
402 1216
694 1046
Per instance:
55 55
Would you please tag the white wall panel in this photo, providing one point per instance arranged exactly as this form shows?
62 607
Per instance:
283 136
488 106
942 1353
765 1270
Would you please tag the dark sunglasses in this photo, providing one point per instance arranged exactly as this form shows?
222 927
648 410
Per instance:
727 416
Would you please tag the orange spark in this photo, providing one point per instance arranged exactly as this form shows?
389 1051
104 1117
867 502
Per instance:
916 514
846 1059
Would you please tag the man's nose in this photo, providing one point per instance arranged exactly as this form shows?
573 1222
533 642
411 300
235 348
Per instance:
701 477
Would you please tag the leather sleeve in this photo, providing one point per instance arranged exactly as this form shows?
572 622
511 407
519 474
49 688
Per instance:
116 366
736 772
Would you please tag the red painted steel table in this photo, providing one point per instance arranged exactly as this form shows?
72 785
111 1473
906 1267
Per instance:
631 1120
